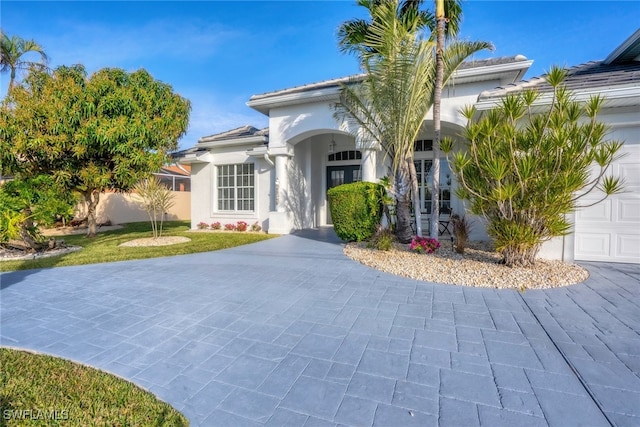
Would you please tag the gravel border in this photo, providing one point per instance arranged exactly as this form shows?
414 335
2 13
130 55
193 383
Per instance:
159 241
478 267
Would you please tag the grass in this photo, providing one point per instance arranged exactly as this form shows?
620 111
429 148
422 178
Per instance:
104 247
41 390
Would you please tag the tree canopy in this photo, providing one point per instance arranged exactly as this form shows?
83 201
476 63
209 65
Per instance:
92 133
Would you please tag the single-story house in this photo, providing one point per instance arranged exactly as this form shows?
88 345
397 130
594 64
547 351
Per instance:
279 176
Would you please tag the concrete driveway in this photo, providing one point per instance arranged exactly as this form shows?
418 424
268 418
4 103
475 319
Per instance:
289 332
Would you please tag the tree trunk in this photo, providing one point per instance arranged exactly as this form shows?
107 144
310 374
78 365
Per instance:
437 101
415 193
514 256
92 198
26 235
403 205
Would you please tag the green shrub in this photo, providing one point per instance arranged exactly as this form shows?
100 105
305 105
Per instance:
356 209
382 240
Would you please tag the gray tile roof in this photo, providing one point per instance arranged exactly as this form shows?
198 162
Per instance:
620 69
594 74
327 84
241 132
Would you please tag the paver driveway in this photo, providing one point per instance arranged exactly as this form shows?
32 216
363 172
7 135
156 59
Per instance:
290 332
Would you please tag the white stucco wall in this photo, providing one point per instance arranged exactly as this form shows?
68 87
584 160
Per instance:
203 176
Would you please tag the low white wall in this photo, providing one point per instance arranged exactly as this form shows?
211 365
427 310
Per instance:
121 208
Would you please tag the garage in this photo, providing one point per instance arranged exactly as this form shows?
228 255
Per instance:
610 230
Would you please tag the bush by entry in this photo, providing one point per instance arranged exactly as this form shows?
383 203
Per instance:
356 209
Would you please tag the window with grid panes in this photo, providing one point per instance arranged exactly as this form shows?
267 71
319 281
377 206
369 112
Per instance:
236 187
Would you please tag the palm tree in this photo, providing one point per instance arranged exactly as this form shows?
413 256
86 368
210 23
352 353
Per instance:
390 103
437 102
12 50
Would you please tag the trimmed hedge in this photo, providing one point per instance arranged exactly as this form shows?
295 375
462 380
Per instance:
356 209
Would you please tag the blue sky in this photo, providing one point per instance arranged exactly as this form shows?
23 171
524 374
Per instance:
219 53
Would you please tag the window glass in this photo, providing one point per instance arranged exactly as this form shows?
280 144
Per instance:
425 181
235 187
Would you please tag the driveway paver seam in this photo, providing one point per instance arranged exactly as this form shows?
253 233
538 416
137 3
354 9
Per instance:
570 365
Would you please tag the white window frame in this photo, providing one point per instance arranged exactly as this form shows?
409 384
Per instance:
235 187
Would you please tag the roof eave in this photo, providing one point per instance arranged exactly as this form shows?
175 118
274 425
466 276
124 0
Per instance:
627 46
266 102
207 142
628 95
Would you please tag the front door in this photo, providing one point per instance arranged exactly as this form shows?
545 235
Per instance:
338 175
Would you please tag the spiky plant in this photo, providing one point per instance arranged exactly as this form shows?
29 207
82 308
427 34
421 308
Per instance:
527 163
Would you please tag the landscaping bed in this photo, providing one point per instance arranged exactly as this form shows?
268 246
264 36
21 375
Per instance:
479 266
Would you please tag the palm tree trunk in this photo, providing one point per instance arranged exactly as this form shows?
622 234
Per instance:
437 101
403 205
415 192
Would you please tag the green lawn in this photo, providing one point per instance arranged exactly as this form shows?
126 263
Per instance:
104 247
40 390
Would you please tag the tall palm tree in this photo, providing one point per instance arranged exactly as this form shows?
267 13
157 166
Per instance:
390 104
352 33
12 50
437 102
391 101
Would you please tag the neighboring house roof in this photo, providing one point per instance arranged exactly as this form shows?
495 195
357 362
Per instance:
176 169
617 78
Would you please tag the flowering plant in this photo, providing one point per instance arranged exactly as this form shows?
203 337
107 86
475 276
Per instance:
230 227
255 226
216 226
242 226
203 226
424 245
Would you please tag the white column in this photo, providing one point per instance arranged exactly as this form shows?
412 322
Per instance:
369 150
368 164
282 182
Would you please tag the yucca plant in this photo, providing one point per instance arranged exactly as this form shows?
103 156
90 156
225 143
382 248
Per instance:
461 232
156 199
525 170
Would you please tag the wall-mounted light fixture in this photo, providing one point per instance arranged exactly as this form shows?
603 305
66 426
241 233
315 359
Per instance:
332 145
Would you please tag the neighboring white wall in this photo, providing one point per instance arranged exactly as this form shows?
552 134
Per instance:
122 208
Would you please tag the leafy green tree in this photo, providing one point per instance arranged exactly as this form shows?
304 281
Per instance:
12 51
156 199
27 204
91 134
525 171
389 104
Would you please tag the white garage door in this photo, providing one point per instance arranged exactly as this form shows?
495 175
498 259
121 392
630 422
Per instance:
610 230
